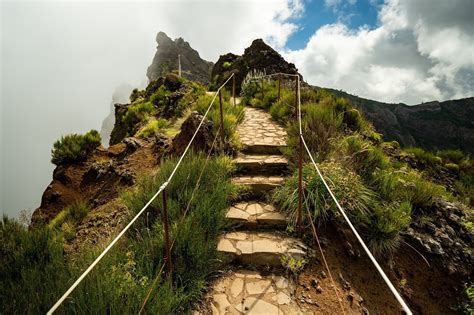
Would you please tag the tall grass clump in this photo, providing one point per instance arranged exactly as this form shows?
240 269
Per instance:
194 253
74 147
346 186
233 115
32 268
383 226
425 157
362 156
320 124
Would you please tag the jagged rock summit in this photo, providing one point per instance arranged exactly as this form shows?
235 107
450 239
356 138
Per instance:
258 56
166 60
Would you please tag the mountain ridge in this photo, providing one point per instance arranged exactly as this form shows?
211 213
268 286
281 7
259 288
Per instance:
430 125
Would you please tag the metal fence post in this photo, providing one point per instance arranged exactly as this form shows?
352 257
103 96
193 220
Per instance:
300 166
167 233
222 120
233 88
279 85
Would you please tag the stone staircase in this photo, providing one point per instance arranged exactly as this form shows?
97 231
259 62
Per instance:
258 240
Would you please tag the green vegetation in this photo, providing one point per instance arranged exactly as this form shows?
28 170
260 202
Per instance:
226 65
157 109
74 147
466 306
65 221
35 264
379 193
152 128
233 115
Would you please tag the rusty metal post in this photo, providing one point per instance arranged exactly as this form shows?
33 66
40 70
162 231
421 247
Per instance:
300 166
167 233
222 121
233 88
279 85
263 95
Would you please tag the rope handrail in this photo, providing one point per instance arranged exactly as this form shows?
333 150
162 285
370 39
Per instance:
162 187
346 218
341 210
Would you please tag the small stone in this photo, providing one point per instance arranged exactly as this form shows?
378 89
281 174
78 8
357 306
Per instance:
322 274
319 289
314 282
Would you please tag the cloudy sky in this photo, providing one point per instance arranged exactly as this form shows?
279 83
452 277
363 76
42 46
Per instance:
62 61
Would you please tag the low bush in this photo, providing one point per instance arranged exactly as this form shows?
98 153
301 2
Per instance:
233 115
136 94
152 128
346 185
320 125
385 224
137 113
451 156
363 157
34 263
425 157
73 148
453 167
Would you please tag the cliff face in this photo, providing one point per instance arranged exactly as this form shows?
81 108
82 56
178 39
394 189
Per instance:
166 60
258 56
432 126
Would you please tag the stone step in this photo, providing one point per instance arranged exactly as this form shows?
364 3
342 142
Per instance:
260 248
261 164
249 292
254 214
262 148
259 186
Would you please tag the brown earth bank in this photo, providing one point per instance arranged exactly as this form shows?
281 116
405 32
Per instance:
427 289
99 179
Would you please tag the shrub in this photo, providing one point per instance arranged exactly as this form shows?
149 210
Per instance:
385 225
226 65
137 113
136 93
452 167
159 97
194 253
347 186
425 157
72 214
32 263
152 128
320 124
363 156
74 147
250 86
233 115
451 156
420 192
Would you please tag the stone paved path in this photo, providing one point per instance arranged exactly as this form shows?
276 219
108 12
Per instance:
258 128
258 240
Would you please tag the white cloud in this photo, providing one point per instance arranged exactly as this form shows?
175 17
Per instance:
61 61
421 51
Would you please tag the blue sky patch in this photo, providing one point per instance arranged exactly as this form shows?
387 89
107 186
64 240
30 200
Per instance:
317 14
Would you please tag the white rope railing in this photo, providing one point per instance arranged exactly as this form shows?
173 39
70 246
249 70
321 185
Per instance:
346 218
341 210
162 187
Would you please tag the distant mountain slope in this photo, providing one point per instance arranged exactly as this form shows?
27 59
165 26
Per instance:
166 60
433 125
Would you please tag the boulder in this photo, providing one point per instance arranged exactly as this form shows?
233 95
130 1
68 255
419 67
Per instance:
202 141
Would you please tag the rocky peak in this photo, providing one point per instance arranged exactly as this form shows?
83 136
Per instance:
258 55
166 60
